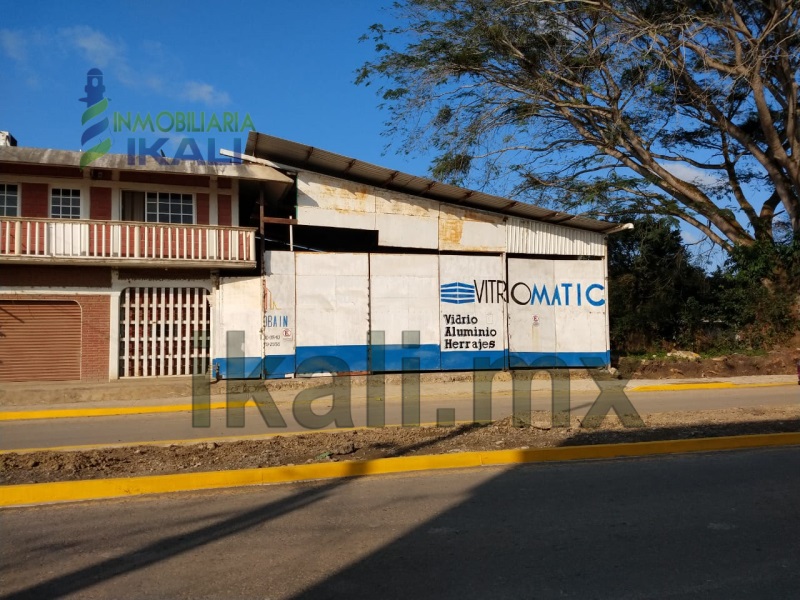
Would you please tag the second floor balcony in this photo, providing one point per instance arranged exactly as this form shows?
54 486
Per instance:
123 243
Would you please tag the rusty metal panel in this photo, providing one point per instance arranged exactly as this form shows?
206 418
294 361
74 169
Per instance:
327 201
320 191
406 221
470 230
534 237
40 340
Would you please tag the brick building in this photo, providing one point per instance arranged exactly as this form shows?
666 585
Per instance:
296 261
107 271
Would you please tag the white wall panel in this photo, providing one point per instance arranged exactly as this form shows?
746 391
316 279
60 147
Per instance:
581 327
238 307
406 221
323 217
403 231
332 291
404 292
531 321
557 312
279 313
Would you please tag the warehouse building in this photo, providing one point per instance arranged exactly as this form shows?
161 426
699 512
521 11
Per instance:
296 261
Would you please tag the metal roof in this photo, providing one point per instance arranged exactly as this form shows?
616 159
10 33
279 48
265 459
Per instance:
309 158
69 158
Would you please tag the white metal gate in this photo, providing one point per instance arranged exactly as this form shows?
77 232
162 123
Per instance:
164 331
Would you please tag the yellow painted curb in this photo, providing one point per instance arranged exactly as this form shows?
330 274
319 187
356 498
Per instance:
71 491
703 386
112 411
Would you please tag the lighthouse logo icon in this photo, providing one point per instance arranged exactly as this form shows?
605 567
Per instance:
96 105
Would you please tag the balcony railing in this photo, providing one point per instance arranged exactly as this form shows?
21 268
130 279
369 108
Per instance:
125 243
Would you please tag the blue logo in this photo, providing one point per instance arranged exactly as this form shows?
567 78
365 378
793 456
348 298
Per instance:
457 293
96 104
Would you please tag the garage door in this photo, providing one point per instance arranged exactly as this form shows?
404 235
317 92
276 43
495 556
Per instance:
40 340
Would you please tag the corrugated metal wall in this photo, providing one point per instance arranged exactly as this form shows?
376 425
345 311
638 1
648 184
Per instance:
533 237
406 221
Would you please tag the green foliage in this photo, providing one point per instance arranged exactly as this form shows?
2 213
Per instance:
656 295
659 300
756 293
678 108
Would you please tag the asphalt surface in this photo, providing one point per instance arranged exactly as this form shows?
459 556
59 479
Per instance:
52 433
721 525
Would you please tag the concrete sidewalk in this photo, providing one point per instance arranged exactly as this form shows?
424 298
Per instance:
174 394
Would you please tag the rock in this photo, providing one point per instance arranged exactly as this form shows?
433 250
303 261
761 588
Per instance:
343 448
613 372
211 445
686 354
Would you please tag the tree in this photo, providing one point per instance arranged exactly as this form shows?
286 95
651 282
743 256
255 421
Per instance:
657 295
681 108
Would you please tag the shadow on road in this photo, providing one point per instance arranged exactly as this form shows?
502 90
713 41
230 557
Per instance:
169 547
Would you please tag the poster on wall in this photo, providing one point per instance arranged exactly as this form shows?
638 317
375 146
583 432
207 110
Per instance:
279 315
472 301
557 313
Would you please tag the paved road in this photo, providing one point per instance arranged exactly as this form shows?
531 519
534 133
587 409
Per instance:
178 426
722 525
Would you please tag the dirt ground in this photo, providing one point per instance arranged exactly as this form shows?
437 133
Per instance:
364 444
781 361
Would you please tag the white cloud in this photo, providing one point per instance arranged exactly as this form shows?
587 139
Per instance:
14 45
692 174
197 91
95 46
30 49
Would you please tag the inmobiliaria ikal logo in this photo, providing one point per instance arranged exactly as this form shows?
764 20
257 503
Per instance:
96 106
150 133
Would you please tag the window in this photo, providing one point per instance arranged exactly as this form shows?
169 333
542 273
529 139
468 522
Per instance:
65 204
9 200
163 207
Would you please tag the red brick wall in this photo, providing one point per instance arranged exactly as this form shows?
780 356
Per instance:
35 201
224 209
100 203
95 315
95 335
202 209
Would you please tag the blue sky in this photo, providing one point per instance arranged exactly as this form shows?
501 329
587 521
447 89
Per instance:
289 65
